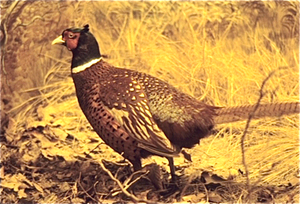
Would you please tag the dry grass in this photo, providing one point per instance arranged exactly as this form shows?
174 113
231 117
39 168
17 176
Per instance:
201 48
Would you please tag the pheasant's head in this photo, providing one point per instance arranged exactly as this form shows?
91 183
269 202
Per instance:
81 42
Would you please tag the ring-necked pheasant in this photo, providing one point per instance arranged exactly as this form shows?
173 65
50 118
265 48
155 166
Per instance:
139 115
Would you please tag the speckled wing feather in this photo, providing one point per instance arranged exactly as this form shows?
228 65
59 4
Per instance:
182 118
128 103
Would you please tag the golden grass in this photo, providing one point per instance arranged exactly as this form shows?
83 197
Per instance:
185 44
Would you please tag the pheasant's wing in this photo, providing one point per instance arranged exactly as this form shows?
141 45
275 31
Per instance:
126 101
181 117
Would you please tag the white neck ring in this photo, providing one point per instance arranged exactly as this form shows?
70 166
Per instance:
85 66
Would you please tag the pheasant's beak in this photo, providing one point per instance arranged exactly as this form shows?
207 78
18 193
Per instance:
58 41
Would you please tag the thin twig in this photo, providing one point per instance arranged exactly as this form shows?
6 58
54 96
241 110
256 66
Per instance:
53 58
78 182
206 193
126 186
126 182
251 114
135 180
133 197
30 22
185 187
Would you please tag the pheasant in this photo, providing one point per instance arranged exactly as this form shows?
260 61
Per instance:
139 115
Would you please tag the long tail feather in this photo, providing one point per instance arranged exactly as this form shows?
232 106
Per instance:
238 113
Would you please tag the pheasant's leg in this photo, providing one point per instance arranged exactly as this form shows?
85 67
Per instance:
137 165
172 168
173 185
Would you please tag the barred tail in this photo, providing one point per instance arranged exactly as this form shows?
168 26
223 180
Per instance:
237 113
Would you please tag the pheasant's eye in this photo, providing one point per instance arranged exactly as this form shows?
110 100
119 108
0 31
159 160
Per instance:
71 35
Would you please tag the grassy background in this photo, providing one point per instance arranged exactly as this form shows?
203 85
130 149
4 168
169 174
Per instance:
218 52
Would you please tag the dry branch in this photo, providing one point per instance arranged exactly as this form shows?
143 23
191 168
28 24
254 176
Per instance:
261 94
133 197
